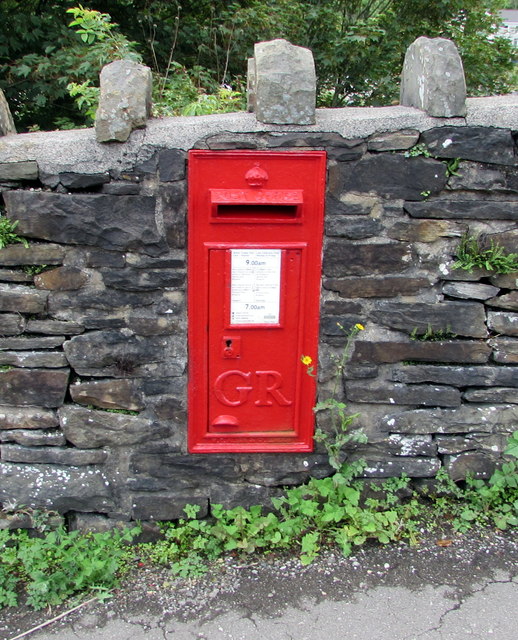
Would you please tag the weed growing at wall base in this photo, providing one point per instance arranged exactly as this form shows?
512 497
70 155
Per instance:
340 510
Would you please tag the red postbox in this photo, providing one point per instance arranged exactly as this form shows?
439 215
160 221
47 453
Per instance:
254 267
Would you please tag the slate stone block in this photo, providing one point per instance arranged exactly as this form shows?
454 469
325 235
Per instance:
461 318
118 223
171 165
54 487
505 351
109 394
425 230
465 419
394 176
61 279
396 466
100 258
22 299
505 280
451 445
398 444
344 258
121 188
174 259
90 429
504 323
393 140
122 354
27 343
34 437
27 418
470 290
247 495
484 376
345 227
476 464
338 325
192 471
14 275
506 301
416 394
26 170
387 287
77 181
275 470
464 209
167 506
54 327
481 144
473 176
51 455
143 280
349 204
155 325
11 324
35 387
33 359
495 395
390 352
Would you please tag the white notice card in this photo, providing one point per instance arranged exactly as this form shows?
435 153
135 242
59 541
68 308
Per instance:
255 286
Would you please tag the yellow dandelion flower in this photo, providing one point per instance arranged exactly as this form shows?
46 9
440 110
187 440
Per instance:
359 326
307 360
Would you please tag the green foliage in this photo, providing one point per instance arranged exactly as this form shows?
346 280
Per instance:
474 252
479 502
358 46
34 269
340 510
8 234
432 335
42 57
418 150
59 564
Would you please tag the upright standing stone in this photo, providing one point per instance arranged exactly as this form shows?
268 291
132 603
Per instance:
125 101
6 119
285 83
433 78
250 85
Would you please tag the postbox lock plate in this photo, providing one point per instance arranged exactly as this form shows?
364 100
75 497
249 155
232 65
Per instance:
231 347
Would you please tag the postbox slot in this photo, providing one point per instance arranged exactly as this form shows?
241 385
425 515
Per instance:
257 205
244 211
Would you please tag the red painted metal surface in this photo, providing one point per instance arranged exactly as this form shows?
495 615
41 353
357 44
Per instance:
254 267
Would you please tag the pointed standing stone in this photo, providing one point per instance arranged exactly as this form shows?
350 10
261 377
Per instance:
285 83
125 101
6 119
433 78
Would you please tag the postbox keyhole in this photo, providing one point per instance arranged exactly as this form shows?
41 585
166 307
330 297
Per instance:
231 347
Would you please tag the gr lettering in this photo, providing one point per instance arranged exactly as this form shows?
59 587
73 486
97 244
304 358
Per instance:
234 388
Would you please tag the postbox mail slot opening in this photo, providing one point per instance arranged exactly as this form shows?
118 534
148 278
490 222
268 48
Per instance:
261 211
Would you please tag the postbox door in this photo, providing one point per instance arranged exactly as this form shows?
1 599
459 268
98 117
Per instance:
255 333
255 242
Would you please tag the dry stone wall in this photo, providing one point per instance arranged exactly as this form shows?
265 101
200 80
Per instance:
93 350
